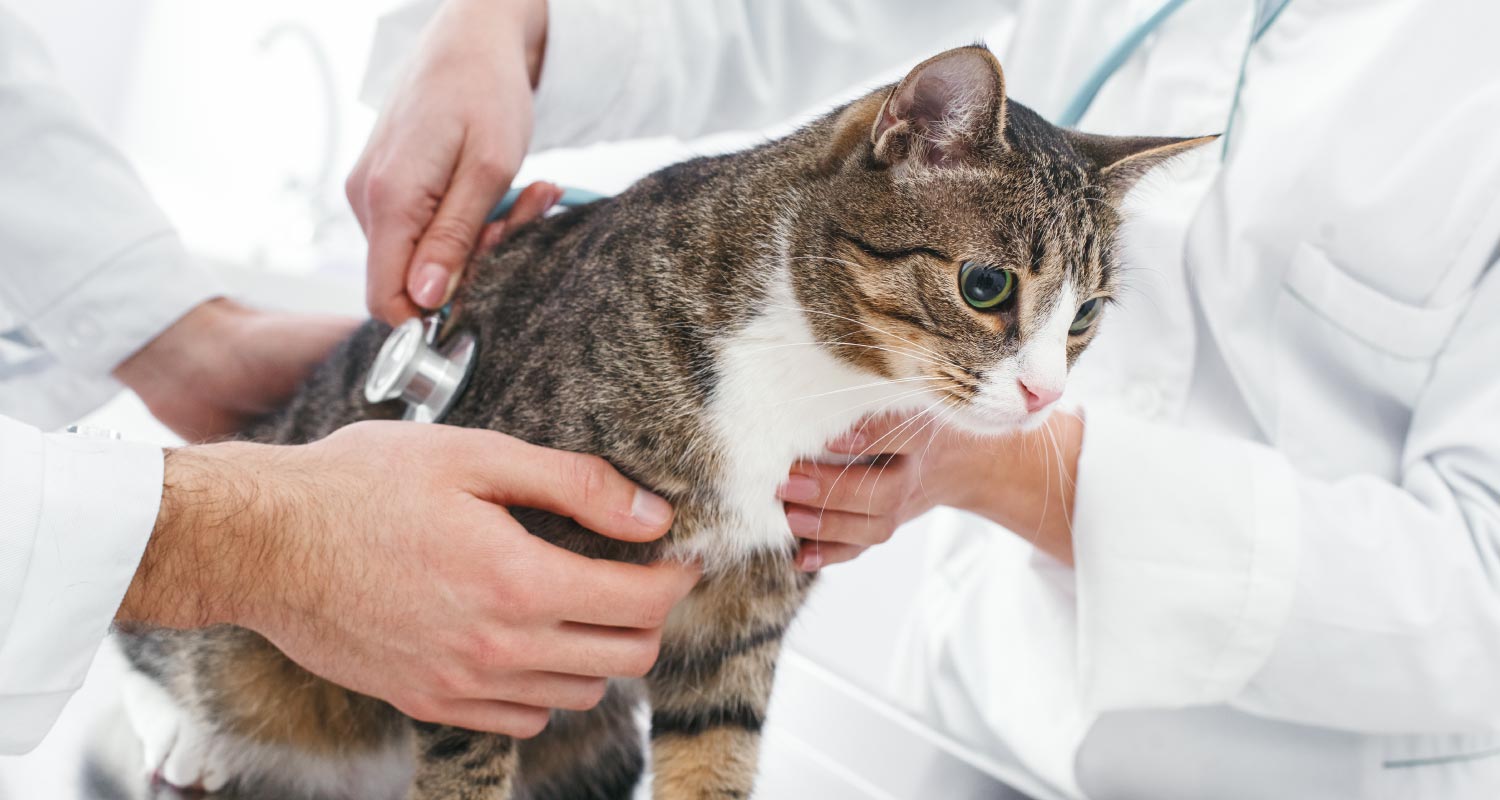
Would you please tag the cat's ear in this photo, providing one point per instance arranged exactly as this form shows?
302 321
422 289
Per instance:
949 110
1121 161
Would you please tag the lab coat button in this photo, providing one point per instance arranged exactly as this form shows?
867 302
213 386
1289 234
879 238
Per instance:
83 331
1143 399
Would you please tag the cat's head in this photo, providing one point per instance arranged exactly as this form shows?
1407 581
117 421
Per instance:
961 244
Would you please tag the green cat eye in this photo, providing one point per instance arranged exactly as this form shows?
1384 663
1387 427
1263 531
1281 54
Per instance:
1087 313
984 287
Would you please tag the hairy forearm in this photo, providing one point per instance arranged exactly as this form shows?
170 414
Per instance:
212 542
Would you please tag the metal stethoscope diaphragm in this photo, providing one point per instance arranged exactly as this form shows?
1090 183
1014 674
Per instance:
412 367
429 377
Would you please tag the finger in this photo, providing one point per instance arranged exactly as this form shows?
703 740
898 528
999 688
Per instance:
878 489
615 594
494 716
592 591
590 650
549 690
445 245
392 240
583 487
534 201
813 556
392 209
839 527
884 433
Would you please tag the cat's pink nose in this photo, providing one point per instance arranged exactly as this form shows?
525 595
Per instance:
1037 396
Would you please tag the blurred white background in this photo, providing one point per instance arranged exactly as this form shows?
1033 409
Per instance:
243 119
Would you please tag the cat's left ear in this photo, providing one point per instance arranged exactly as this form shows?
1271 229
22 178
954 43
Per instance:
1121 161
949 110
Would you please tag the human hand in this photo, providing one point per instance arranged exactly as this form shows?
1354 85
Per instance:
1026 482
382 558
222 365
445 150
839 511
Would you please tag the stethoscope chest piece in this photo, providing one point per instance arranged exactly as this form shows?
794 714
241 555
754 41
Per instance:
411 368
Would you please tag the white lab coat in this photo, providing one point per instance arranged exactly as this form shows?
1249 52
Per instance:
1288 499
91 271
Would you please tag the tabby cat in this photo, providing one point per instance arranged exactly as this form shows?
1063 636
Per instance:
929 249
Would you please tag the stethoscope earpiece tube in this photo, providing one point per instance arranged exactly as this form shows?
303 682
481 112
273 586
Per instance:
571 197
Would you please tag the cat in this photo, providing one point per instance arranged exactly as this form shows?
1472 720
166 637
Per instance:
931 249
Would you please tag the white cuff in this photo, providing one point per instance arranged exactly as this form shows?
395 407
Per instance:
122 305
77 513
593 46
1186 547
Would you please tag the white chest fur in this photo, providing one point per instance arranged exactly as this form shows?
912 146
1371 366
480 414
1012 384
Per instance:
781 396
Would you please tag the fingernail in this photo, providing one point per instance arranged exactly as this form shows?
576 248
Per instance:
850 443
810 560
649 509
432 283
798 489
801 521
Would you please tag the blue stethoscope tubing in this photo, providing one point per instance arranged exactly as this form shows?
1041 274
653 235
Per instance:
571 197
1112 62
1266 12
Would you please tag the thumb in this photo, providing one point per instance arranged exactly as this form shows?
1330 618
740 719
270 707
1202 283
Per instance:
586 488
444 248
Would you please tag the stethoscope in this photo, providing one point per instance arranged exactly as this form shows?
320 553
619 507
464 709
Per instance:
420 367
1266 13
428 373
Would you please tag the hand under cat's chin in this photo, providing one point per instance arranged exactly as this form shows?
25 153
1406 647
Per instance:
988 423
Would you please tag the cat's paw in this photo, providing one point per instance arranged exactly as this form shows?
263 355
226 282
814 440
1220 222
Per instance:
176 747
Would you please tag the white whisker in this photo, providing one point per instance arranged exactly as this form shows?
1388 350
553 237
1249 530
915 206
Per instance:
871 385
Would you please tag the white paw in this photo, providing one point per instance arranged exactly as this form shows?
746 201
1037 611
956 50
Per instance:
183 750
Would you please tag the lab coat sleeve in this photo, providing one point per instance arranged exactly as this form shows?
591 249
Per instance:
75 516
1211 571
93 270
617 70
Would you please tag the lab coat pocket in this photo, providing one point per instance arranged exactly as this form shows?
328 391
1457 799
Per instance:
1393 326
1351 362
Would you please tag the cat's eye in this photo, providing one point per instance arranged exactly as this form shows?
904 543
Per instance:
1087 313
985 287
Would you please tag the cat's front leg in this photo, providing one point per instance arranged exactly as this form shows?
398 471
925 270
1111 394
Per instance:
457 764
712 683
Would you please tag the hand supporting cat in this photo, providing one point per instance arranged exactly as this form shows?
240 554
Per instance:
346 585
1025 482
